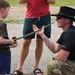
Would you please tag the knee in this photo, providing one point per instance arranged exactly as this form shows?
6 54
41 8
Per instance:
26 43
39 42
52 68
51 65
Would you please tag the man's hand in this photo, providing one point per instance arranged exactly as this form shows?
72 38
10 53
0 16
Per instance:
40 32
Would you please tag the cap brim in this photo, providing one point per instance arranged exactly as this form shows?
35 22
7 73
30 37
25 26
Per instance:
63 15
54 14
58 14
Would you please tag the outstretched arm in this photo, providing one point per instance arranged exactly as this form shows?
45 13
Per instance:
22 1
62 54
53 47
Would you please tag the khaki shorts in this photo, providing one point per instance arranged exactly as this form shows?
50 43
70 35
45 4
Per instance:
60 68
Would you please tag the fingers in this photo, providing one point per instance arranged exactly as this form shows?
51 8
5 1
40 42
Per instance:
14 38
43 28
35 28
14 45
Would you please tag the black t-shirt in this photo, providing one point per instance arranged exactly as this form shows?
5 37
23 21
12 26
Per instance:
3 33
67 40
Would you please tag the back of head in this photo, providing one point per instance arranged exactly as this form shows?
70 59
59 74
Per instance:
4 4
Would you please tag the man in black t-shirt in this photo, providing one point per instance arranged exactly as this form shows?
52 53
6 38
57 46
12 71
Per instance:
64 61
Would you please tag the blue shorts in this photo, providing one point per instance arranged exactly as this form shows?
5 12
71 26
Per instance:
39 22
5 60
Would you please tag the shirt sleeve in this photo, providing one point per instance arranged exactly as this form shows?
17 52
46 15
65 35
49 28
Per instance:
61 38
68 41
3 30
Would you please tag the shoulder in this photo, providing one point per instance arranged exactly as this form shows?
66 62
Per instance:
71 30
70 33
2 23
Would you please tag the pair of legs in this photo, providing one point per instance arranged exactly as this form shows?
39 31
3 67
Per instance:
39 22
25 51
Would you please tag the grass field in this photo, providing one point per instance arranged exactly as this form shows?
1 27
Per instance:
14 3
58 2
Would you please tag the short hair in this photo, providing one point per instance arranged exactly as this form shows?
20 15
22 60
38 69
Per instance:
4 4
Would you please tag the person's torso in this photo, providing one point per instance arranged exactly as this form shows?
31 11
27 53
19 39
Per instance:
3 33
68 44
37 8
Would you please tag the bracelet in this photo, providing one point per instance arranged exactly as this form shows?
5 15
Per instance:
10 41
53 58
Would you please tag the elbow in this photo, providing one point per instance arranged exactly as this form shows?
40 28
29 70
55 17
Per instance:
53 2
0 40
54 51
20 2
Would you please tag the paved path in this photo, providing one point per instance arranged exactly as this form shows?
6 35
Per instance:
16 30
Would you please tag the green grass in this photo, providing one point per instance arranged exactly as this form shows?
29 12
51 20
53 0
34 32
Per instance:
14 3
65 2
58 2
12 20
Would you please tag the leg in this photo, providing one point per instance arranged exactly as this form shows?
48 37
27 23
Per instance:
5 60
68 67
44 20
38 51
24 53
53 68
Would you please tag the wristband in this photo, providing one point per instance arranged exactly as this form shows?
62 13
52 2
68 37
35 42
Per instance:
10 41
53 58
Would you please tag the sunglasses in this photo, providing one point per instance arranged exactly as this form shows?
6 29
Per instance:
59 17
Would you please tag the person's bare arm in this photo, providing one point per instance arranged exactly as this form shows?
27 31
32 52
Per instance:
53 47
62 55
51 1
6 41
22 1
